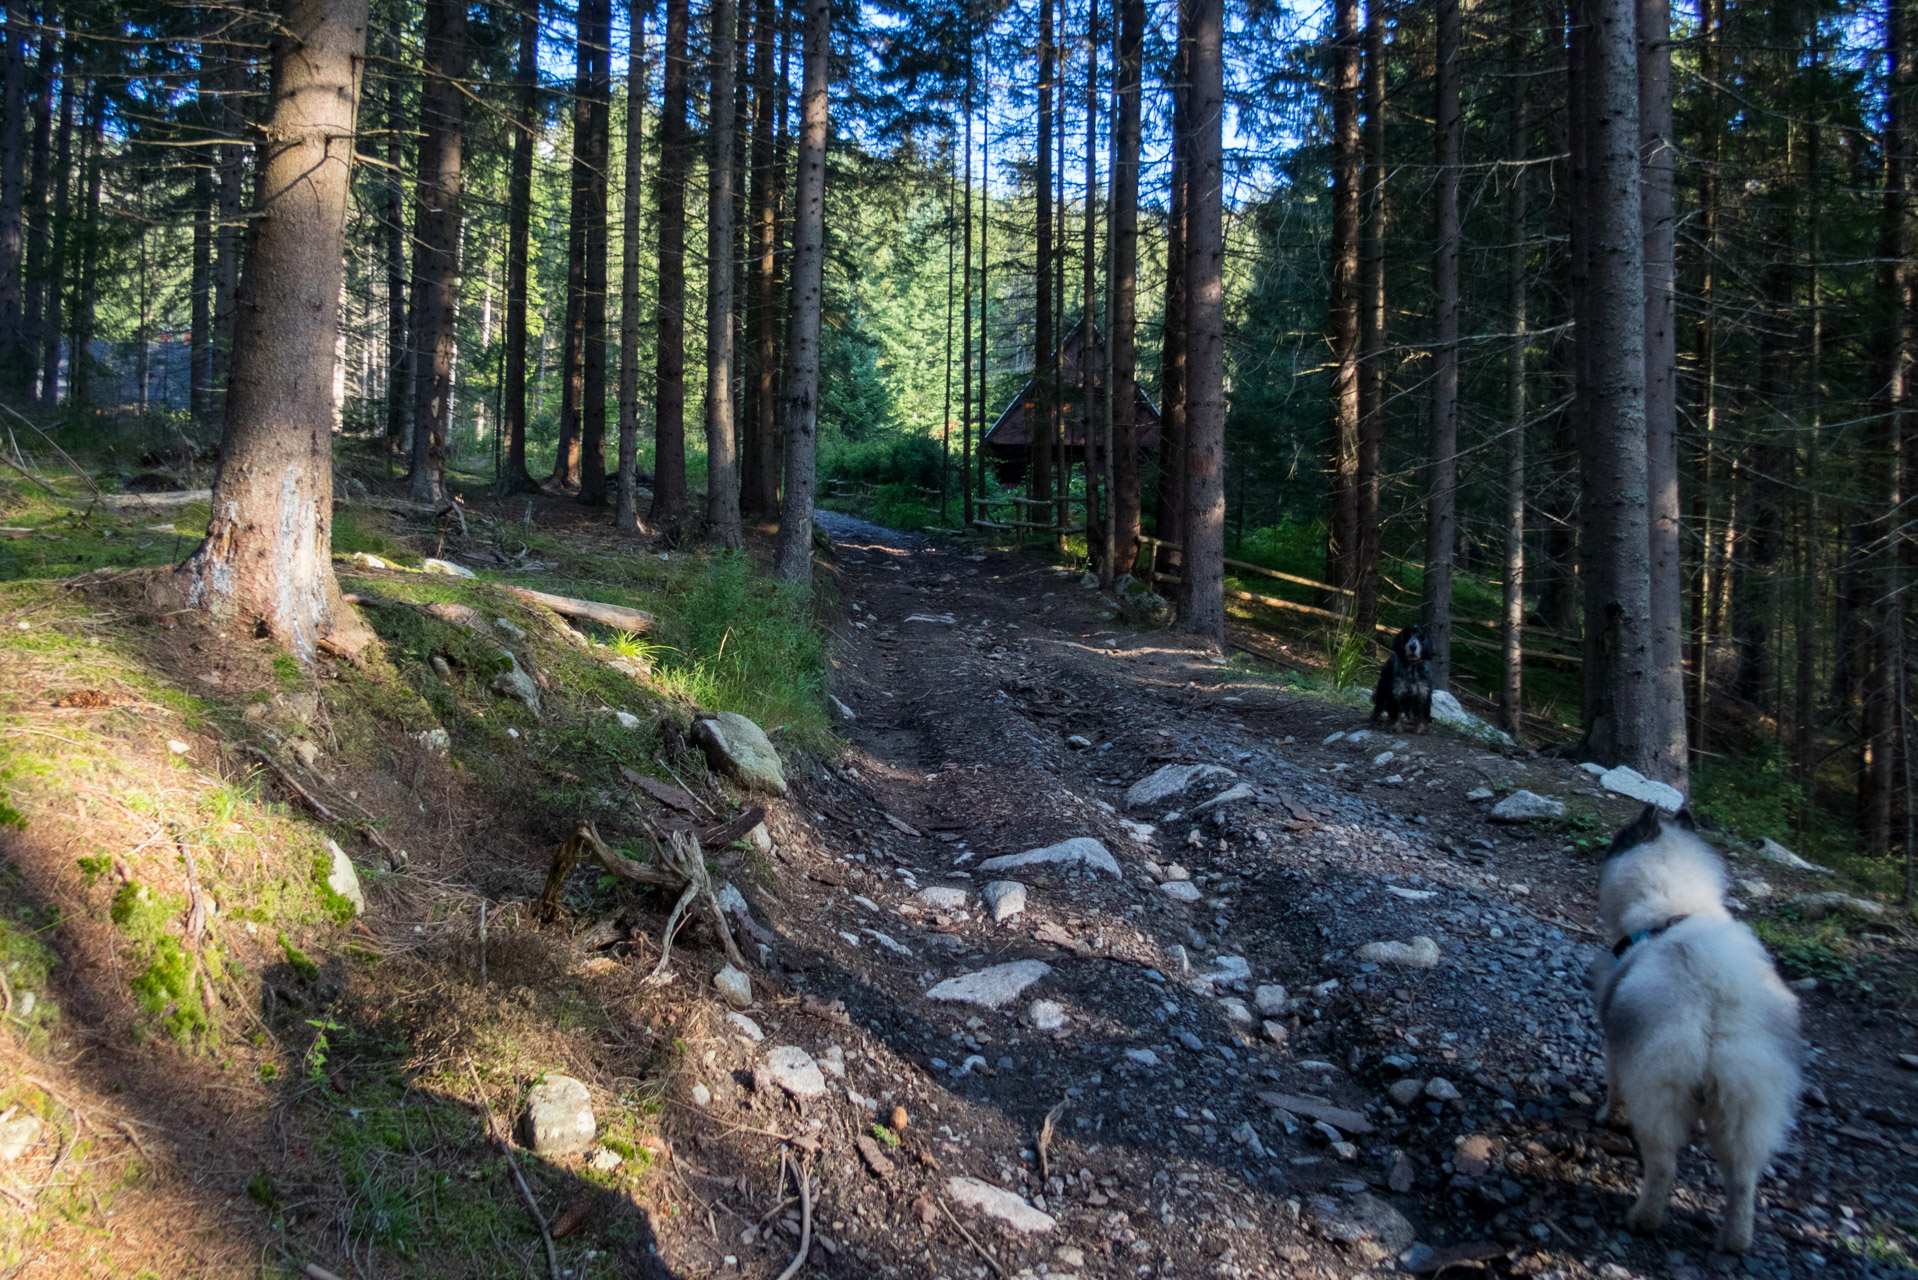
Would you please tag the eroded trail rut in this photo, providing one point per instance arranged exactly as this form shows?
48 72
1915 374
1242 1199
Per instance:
1365 1117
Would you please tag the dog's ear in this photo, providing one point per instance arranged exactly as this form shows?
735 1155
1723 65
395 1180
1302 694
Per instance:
1644 830
1684 818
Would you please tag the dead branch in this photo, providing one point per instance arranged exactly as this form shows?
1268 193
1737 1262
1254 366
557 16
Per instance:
320 811
805 1216
505 1148
990 1260
683 867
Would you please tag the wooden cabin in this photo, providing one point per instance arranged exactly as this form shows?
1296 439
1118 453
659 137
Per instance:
1009 442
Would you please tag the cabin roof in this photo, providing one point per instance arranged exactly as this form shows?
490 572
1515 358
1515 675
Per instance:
1011 433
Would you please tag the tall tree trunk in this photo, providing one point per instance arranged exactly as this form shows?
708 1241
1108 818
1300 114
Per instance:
1669 755
1039 458
669 384
985 259
1441 500
626 513
1342 324
722 457
1128 59
16 357
437 280
759 487
37 231
229 236
1620 685
1093 383
793 556
1512 657
399 354
595 152
572 357
80 359
200 296
266 561
519 227
1170 517
58 255
1202 573
1371 441
1705 358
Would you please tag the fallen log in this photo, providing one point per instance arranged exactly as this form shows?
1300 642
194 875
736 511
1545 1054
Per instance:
174 498
616 616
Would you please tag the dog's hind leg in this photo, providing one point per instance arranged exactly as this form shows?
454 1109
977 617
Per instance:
1661 1133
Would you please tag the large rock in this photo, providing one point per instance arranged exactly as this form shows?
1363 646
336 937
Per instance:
1447 711
1627 781
1081 851
1816 906
1171 781
991 988
1420 953
559 1117
343 878
1364 1221
17 1136
792 1069
1771 851
1000 1205
1146 609
514 683
738 748
1005 899
944 897
735 985
1523 806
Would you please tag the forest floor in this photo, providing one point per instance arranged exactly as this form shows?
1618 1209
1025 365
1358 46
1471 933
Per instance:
1134 1115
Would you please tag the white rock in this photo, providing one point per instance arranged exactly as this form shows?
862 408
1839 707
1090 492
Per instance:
702 1096
1181 891
745 1026
1754 888
735 986
1420 953
1172 780
1816 906
1005 899
1331 738
845 712
1477 794
1069 1257
626 719
994 987
1523 806
1081 851
17 1135
1447 711
1177 960
559 1117
1234 794
1000 1205
1439 1089
514 683
1176 872
1411 895
1142 1057
1407 1091
944 897
792 1069
891 944
737 747
1078 742
1771 851
1269 1000
447 567
344 878
1235 1011
1046 1015
1627 781
1383 758
1230 969
604 1160
1363 1220
1593 768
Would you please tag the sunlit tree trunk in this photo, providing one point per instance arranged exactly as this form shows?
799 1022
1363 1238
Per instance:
669 384
722 456
1512 613
1041 416
626 512
16 357
52 330
519 225
437 281
793 556
399 355
759 487
1202 575
595 152
1172 346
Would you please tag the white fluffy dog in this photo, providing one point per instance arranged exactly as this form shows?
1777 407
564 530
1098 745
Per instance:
1697 1024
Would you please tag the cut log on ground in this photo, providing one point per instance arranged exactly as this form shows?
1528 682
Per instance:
610 615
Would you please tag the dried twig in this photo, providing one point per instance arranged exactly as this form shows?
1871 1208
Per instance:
306 797
1046 1131
990 1260
505 1148
805 1216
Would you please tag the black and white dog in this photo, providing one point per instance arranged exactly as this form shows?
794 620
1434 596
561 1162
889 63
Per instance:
1405 682
1697 1024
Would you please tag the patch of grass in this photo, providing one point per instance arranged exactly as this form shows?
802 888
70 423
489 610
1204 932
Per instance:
1748 797
297 960
169 991
141 913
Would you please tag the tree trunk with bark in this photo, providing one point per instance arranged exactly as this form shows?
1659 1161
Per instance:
52 329
722 446
793 556
229 235
436 282
1512 613
1039 457
1202 573
1441 459
1342 323
37 231
266 562
399 354
759 485
669 385
1172 347
1372 322
595 152
519 228
626 511
1128 59
965 323
16 358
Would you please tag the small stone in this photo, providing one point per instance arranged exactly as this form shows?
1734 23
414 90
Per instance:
1181 891
1000 1205
1477 794
845 712
1383 758
740 749
899 1120
1174 871
1177 960
1439 1089
344 878
1523 806
1142 1057
604 1160
1274 1031
1403 1174
792 1069
1269 1000
1079 851
1235 1011
943 898
436 741
514 683
1228 969
1078 742
1069 1257
1046 1015
1237 793
434 565
1190 1041
735 986
627 720
1005 899
1420 953
1364 1219
1407 1091
702 1096
177 747
1472 1156
745 1026
559 1117
994 987
17 1135
1172 780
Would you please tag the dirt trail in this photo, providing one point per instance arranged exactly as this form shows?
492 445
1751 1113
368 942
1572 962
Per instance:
996 709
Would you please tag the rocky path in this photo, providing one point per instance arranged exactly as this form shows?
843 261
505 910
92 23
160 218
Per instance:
1176 972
